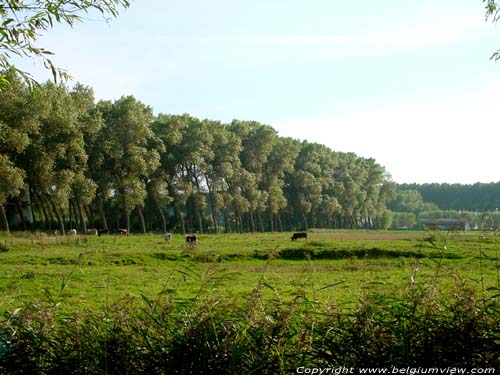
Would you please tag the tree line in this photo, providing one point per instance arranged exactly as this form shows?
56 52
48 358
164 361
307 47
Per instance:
476 204
69 161
468 197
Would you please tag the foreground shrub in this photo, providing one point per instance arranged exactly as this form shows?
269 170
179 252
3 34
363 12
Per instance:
205 335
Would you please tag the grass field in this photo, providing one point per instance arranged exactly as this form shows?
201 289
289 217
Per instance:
332 267
249 303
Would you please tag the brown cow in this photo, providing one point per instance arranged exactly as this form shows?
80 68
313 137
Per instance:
123 232
297 235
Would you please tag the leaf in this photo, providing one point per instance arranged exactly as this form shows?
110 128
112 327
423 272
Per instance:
332 285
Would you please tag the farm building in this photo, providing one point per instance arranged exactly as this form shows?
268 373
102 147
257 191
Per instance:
445 224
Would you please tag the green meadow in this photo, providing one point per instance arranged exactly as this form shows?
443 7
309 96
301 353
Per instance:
331 267
249 303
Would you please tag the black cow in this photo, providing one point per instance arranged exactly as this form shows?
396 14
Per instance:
295 236
191 240
102 231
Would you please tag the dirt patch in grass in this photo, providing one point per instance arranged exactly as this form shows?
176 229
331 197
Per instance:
366 236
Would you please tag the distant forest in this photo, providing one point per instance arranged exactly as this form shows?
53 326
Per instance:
477 197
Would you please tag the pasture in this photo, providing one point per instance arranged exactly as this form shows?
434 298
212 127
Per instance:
331 267
249 303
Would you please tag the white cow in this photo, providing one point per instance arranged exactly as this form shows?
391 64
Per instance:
167 237
72 232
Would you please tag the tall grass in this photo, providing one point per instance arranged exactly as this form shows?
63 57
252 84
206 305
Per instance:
206 334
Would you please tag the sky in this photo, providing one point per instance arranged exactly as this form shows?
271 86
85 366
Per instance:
408 83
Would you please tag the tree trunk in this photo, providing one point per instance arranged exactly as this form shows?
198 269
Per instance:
271 221
280 224
70 208
90 215
126 212
58 215
31 206
156 202
213 210
252 221
82 218
240 219
214 220
141 218
200 221
4 223
20 213
304 217
261 223
227 228
102 214
48 220
181 218
163 219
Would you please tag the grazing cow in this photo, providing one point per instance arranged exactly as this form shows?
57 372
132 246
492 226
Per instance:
92 232
295 236
191 240
72 232
102 231
123 232
167 237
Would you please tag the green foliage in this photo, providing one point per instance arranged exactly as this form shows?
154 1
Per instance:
493 13
404 220
114 164
406 201
474 197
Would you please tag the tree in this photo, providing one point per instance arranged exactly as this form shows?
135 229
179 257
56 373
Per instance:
127 157
11 182
220 165
280 162
310 187
407 201
55 159
18 119
404 220
23 21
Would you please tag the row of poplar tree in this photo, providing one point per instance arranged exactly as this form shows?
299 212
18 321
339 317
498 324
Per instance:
69 161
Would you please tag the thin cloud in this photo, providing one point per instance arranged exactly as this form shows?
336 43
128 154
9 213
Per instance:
447 31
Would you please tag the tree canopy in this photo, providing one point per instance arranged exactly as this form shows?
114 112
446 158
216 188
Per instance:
68 161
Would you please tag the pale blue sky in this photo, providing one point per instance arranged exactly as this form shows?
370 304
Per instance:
408 83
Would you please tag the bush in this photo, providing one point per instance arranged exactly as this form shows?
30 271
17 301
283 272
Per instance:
205 335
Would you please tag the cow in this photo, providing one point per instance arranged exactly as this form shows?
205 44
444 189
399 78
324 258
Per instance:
123 232
92 232
297 235
72 232
102 231
168 237
191 240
